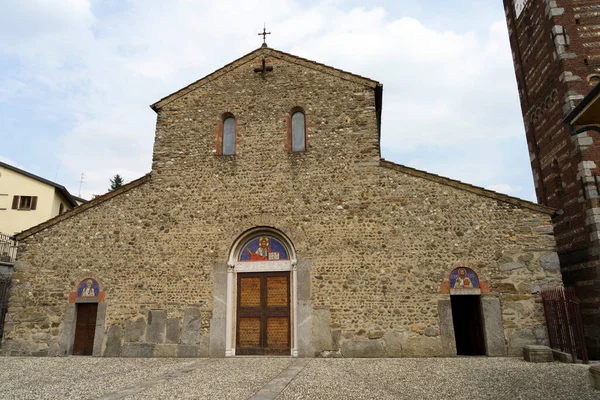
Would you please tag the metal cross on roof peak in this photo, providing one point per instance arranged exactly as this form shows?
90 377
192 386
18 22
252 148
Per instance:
264 35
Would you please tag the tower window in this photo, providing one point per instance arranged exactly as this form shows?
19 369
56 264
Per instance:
228 136
298 131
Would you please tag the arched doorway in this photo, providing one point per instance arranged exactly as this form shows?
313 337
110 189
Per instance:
261 295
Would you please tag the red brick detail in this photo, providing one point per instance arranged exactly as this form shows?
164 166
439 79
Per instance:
220 137
305 132
236 137
288 122
484 287
445 287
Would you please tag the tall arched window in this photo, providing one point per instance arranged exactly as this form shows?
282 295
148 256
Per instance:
228 135
298 138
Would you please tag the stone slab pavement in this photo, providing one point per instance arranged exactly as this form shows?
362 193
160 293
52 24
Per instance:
286 378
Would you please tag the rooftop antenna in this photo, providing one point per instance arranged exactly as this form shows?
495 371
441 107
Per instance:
80 183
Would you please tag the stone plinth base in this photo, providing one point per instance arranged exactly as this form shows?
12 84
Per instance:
536 353
562 356
595 376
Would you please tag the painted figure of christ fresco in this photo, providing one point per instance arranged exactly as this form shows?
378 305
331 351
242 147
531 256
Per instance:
88 288
464 278
263 248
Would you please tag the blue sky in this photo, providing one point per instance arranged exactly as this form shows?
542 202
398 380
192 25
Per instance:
77 77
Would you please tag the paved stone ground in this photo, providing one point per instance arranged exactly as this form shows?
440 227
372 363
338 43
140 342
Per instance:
286 378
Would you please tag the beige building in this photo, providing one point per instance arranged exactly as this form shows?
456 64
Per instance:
27 200
269 224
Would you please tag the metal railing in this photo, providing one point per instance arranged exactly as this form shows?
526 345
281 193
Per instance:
8 249
563 319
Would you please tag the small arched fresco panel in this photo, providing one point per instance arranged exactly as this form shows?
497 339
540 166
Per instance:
263 248
463 278
87 290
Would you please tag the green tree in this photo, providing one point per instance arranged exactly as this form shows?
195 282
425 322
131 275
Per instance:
115 183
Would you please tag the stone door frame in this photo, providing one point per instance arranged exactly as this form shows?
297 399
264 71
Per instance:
67 337
493 329
234 267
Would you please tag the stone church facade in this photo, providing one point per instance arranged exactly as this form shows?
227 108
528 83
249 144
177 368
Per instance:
269 224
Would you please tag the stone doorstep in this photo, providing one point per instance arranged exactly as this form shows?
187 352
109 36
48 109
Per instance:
562 356
595 376
537 354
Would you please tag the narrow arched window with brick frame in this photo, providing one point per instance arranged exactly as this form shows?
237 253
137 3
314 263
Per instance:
297 131
227 135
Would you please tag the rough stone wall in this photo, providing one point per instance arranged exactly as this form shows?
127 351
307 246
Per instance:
380 238
556 51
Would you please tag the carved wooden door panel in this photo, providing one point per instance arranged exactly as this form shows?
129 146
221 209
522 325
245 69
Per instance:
263 314
85 329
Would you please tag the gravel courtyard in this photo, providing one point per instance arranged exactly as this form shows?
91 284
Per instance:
286 378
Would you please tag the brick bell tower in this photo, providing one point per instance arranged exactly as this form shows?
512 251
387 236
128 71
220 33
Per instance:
556 52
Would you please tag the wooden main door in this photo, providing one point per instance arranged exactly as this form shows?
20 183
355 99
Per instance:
263 313
85 329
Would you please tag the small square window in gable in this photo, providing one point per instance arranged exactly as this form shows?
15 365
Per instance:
24 203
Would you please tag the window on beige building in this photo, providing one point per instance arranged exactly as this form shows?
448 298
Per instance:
24 203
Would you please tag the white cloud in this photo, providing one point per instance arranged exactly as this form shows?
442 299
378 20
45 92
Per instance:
10 162
503 188
440 87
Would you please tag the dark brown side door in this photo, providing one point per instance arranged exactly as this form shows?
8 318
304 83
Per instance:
263 314
85 329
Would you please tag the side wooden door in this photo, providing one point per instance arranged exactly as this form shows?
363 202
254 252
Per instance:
85 329
263 314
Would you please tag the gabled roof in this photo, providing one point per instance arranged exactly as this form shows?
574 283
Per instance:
80 199
266 51
468 187
63 190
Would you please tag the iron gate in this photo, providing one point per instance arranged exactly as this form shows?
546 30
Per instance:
565 330
4 287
